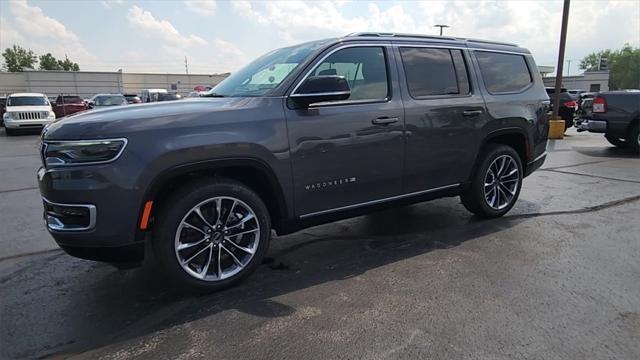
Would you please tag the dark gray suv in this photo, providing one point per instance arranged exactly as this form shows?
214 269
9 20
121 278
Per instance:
301 136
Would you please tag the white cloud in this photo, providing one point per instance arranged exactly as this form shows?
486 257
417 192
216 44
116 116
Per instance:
202 7
531 24
108 4
28 26
245 9
163 29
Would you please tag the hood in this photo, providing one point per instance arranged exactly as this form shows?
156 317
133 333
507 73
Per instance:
117 121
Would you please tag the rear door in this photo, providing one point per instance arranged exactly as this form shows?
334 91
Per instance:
443 115
347 153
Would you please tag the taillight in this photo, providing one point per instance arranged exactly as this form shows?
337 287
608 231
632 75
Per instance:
571 104
599 105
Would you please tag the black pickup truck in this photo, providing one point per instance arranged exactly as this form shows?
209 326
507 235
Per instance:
616 114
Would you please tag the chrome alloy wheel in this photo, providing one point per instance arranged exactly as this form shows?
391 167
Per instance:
501 182
217 238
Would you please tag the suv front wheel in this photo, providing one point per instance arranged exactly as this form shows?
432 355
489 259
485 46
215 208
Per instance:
211 234
496 184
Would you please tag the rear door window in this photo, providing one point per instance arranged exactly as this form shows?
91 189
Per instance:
432 72
503 73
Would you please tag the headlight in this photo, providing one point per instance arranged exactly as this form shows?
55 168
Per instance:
7 116
61 153
52 115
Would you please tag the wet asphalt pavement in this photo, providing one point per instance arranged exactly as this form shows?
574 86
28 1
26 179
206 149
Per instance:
557 278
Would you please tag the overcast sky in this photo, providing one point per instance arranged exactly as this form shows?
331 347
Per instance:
221 36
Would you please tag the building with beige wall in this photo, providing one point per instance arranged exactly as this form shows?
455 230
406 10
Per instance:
89 83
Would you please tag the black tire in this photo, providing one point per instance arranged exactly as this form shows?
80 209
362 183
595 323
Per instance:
179 206
474 197
9 132
633 140
616 142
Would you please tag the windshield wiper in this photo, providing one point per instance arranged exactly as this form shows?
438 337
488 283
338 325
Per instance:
212 95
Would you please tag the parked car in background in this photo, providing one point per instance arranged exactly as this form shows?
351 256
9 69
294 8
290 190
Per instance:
204 181
3 102
196 93
106 100
151 95
616 114
576 92
568 105
585 101
132 98
202 88
169 97
68 104
27 111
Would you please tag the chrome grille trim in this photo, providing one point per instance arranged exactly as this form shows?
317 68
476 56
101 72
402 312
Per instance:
32 115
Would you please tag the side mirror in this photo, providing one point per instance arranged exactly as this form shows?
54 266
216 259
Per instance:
90 104
322 88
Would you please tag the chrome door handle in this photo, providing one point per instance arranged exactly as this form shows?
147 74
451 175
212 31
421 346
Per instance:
472 112
384 120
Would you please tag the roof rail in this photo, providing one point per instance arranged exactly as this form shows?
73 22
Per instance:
489 42
435 37
379 34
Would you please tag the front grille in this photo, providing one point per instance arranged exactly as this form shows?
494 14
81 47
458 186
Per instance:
32 115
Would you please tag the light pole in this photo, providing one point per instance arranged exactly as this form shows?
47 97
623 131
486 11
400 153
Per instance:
569 66
563 42
441 26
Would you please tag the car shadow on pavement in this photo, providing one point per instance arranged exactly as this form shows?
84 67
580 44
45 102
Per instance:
79 305
607 152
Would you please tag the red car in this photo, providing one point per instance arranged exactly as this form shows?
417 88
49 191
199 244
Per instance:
67 105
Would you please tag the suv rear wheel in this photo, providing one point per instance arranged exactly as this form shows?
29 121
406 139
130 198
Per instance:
211 234
496 184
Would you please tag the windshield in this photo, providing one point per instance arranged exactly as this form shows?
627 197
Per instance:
109 100
266 72
27 101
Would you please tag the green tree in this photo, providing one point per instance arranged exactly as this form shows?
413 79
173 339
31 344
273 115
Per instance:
17 58
591 62
68 65
624 70
623 64
49 62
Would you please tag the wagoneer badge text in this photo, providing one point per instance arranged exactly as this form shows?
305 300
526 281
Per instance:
330 183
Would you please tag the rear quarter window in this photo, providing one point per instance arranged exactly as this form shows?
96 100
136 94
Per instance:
503 73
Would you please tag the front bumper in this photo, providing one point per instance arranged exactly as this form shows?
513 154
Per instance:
89 206
595 126
26 124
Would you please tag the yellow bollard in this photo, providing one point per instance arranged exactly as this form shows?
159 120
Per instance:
556 128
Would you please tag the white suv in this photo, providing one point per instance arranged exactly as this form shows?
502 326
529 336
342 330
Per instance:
27 111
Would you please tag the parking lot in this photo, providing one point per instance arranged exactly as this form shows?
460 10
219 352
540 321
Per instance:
557 278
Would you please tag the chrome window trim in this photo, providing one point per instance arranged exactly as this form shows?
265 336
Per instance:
378 201
61 228
390 43
47 142
321 94
346 46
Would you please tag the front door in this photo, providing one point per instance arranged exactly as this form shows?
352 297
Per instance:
349 152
